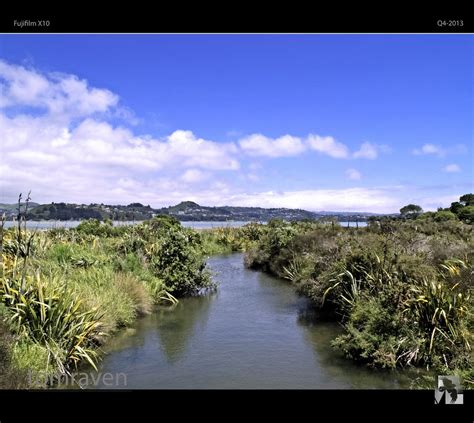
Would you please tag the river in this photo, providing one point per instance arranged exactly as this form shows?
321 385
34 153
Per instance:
254 332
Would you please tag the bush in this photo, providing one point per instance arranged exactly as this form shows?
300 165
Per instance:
174 258
442 216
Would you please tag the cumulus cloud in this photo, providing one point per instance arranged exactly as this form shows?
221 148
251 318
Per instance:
353 174
42 145
203 153
260 145
328 145
428 149
452 168
58 94
287 145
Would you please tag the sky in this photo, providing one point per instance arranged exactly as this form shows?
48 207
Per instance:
321 122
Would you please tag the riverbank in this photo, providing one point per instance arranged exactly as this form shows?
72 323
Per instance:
65 292
401 289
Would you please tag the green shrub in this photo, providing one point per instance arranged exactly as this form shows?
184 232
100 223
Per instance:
174 259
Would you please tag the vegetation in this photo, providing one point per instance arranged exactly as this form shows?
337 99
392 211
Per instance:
402 289
411 210
63 292
228 239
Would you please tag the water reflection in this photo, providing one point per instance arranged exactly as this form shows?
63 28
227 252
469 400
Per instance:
176 327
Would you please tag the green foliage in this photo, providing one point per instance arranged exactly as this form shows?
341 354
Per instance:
466 214
6 340
228 239
371 334
464 208
456 207
54 283
467 200
442 216
174 259
44 312
95 227
410 210
401 288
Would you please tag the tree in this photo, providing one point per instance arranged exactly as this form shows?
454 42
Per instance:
411 210
466 214
456 207
467 200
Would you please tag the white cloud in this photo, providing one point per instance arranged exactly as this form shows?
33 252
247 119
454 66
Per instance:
366 151
203 153
352 199
327 145
194 175
260 145
59 94
287 145
353 174
452 168
97 162
371 151
427 149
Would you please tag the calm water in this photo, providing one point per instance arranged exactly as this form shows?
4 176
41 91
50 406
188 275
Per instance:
254 332
49 224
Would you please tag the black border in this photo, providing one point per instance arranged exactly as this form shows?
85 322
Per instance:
350 405
150 405
237 18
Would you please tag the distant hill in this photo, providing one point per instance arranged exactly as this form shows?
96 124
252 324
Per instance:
184 211
190 211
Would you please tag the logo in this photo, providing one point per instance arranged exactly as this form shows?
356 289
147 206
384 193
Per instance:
450 388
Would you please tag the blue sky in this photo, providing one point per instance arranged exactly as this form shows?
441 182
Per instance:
322 122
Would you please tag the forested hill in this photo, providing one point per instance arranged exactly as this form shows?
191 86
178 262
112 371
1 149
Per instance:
184 211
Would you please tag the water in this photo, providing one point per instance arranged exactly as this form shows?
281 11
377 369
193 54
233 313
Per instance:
254 332
50 224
